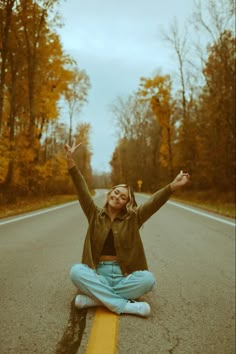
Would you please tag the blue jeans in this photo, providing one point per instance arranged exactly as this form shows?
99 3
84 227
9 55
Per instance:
108 286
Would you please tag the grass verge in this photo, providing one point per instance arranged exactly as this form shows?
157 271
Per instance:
220 203
24 206
224 209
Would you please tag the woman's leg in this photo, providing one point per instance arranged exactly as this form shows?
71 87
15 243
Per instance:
135 284
97 287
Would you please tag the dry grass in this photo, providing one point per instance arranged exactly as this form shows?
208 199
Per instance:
225 209
223 204
24 206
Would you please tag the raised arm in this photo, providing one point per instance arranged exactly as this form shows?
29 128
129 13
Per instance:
85 199
159 198
180 180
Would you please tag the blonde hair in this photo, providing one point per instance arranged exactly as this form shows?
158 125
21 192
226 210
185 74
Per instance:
131 205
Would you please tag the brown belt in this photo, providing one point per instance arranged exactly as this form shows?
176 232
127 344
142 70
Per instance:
107 258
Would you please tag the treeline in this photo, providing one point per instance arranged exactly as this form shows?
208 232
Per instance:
183 120
36 76
185 123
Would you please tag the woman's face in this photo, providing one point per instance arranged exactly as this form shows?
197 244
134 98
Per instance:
118 198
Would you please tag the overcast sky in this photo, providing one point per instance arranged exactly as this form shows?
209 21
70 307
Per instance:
116 43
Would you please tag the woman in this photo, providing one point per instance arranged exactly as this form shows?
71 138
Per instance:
114 270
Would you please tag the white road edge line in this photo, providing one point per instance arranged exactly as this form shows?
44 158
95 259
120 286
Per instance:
31 214
231 223
18 218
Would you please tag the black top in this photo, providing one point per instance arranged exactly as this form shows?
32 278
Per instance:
109 246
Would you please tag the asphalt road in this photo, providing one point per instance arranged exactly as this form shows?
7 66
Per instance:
193 303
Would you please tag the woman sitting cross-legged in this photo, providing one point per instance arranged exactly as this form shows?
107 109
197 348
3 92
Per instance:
114 270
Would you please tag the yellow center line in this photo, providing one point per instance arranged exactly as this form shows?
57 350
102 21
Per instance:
104 333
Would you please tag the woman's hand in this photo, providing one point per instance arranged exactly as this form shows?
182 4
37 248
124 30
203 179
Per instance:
70 153
180 180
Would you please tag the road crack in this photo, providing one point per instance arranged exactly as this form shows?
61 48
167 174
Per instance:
171 350
171 339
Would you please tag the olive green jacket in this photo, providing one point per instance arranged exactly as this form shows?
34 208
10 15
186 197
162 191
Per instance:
125 227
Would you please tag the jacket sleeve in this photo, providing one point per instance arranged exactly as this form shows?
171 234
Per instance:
154 203
85 199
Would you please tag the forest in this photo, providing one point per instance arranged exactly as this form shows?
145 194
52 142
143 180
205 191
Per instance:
184 122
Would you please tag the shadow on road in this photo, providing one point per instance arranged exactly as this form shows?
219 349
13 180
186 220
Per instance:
73 333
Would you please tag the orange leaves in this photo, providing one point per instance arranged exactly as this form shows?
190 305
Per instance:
216 123
37 74
165 149
45 171
4 159
158 92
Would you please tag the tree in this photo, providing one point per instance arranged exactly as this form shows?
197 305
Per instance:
208 21
217 115
157 91
83 156
137 153
179 41
29 108
213 18
33 22
75 94
6 8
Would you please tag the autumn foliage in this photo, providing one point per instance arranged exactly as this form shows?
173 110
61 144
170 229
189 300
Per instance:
161 128
35 76
160 133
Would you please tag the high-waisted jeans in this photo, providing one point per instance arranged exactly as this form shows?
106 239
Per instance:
107 285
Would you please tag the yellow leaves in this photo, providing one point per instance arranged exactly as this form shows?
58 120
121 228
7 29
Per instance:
157 86
29 155
4 160
45 171
61 162
165 149
157 91
37 74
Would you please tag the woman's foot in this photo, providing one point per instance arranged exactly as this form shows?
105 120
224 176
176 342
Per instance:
137 308
84 301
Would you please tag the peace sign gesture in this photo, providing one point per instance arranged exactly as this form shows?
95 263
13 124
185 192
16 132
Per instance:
70 150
